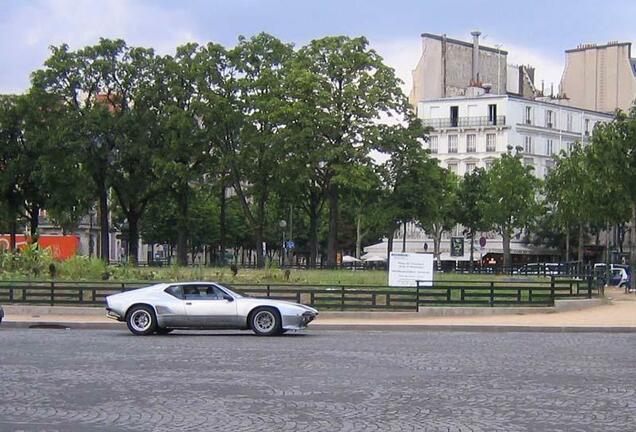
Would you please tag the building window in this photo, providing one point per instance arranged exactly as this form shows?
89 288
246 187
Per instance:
492 114
454 116
528 145
587 126
452 167
488 163
471 143
549 147
470 167
491 142
452 143
549 166
528 115
569 125
549 118
433 144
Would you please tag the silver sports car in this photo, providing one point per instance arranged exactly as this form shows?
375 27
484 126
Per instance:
164 307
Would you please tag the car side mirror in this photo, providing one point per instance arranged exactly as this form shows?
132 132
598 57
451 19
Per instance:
228 298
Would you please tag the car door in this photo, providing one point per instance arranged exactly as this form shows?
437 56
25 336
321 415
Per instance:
173 313
208 306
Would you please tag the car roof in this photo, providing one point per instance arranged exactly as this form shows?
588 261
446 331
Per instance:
192 283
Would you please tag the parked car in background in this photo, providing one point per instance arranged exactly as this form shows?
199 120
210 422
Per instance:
620 275
540 269
165 307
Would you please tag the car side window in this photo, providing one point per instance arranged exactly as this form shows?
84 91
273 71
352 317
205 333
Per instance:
175 291
202 292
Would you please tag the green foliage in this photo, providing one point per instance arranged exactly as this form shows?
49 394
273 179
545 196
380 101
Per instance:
510 200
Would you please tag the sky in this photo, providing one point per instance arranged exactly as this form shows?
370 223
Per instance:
533 32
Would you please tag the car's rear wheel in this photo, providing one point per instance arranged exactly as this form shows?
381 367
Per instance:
266 322
141 320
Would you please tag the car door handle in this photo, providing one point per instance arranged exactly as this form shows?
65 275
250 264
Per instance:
188 303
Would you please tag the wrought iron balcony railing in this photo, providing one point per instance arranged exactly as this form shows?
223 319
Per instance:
465 122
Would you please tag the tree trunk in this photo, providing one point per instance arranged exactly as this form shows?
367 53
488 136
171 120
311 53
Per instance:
182 227
567 243
389 247
580 244
259 235
133 237
404 237
332 241
103 224
358 236
222 223
34 221
437 240
313 230
632 247
471 265
507 262
12 235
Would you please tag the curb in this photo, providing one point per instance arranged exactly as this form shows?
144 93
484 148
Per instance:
348 327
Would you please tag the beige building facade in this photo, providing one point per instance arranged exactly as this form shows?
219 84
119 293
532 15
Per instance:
447 67
600 77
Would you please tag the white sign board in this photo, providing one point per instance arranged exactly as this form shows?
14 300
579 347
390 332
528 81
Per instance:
405 269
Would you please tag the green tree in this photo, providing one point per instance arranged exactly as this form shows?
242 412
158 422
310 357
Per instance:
569 190
442 214
614 148
511 199
245 101
471 190
187 151
341 88
10 194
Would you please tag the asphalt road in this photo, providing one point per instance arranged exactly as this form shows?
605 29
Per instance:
84 380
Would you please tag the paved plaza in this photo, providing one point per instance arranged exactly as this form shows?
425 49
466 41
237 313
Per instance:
319 380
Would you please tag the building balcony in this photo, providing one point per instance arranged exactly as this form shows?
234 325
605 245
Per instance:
464 122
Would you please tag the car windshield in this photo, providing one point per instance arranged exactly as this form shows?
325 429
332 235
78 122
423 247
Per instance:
231 290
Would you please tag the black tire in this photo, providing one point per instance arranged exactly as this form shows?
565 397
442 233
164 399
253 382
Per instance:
266 321
164 331
141 320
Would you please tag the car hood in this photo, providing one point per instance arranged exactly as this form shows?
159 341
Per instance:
279 303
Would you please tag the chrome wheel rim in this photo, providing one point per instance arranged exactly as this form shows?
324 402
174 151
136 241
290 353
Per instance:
140 320
264 321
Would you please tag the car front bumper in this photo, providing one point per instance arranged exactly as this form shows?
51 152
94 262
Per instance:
298 322
110 313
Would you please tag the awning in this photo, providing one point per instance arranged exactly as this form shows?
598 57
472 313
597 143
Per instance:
350 259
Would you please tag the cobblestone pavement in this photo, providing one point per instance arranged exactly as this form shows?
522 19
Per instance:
81 380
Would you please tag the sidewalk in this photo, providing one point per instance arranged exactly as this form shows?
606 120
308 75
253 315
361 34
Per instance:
618 315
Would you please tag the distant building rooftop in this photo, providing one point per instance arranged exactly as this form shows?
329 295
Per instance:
466 44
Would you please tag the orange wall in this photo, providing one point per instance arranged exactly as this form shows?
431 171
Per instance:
62 247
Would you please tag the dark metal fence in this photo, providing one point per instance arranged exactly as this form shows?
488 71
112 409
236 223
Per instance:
331 297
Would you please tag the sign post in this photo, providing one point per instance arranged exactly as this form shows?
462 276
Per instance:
482 247
405 269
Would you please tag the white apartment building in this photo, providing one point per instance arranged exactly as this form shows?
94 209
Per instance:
469 132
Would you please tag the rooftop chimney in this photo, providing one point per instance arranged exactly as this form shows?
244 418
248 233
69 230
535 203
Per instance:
475 35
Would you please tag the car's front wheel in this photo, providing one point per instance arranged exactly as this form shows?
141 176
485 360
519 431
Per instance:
141 320
266 322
